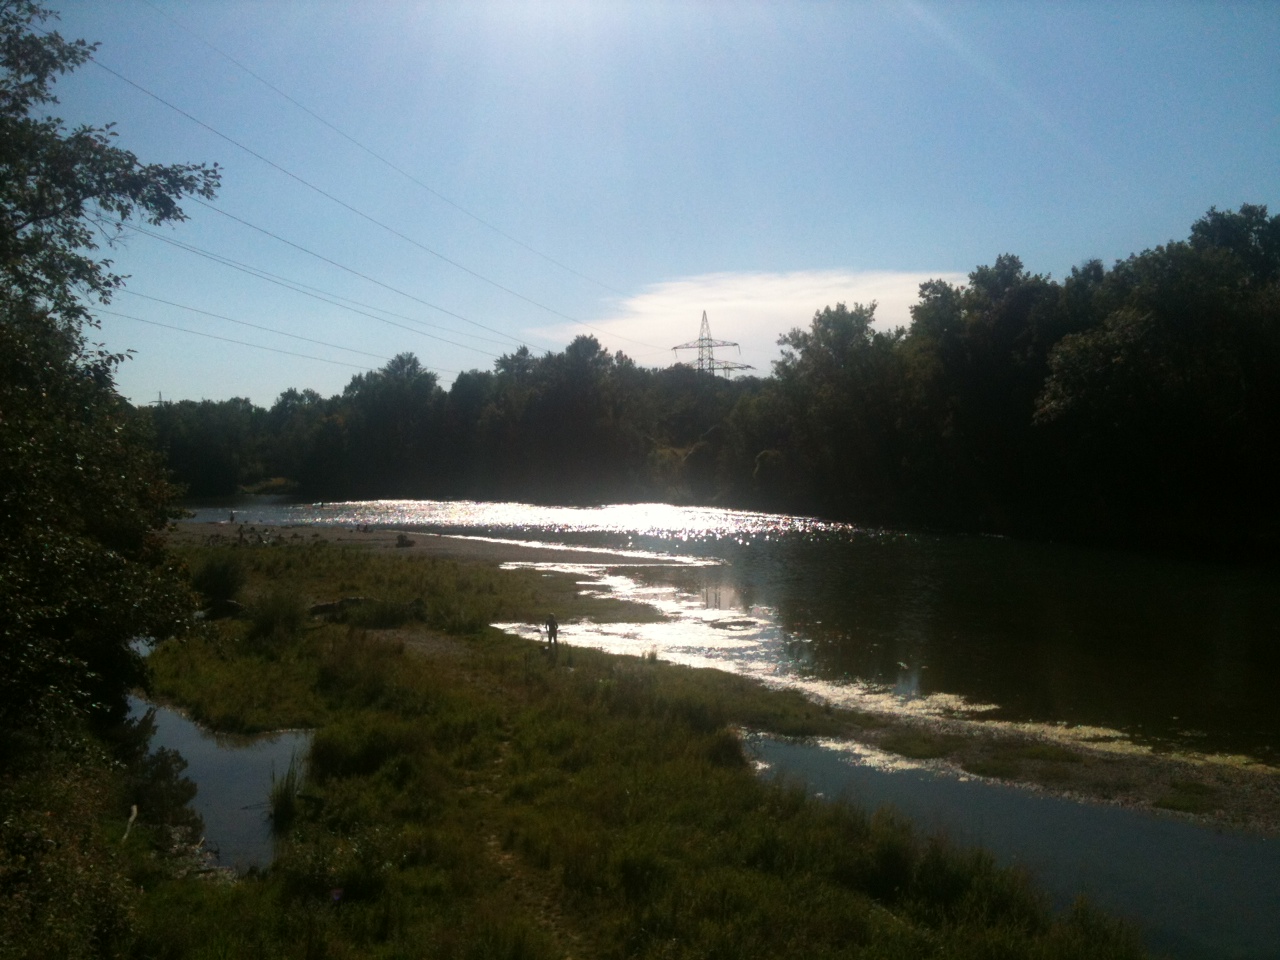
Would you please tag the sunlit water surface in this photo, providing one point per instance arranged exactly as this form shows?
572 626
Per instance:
1124 650
1074 642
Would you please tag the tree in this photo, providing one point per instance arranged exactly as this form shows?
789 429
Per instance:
392 419
1165 410
839 379
61 189
82 572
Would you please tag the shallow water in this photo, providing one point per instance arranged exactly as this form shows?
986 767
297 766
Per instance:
1193 892
1067 641
1174 653
233 777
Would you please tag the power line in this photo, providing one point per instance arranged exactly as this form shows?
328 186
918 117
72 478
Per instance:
351 270
361 213
246 323
377 156
342 203
320 295
243 343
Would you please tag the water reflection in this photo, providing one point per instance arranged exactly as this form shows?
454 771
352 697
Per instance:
233 777
1174 652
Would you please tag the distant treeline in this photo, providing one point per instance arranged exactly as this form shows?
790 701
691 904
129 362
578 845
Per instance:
1136 404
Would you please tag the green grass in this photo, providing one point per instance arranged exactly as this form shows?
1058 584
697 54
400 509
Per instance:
921 744
1046 762
998 768
1185 796
1047 753
283 800
481 802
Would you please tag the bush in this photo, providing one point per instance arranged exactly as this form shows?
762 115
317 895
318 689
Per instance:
277 619
220 578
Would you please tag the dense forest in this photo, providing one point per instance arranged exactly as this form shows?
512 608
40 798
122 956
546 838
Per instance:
1136 404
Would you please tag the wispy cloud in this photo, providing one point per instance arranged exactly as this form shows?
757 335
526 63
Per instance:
751 309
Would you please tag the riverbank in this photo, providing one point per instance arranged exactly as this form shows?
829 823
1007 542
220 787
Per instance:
407 543
1076 763
473 794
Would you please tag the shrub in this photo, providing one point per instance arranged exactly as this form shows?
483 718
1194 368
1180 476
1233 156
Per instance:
277 619
219 578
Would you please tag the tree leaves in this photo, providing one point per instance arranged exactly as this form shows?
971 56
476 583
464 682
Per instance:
82 572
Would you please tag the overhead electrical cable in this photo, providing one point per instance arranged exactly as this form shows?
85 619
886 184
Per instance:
381 159
316 294
243 343
246 323
342 203
361 213
351 270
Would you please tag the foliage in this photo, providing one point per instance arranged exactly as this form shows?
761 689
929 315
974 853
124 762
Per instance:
836 379
72 858
219 578
1173 394
61 189
1117 404
83 574
66 893
80 573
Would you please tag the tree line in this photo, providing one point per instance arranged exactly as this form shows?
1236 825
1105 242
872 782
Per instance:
1135 404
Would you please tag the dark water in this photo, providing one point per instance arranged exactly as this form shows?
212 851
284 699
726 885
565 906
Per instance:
1170 652
1192 892
233 777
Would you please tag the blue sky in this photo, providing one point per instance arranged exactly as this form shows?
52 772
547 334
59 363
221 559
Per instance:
551 169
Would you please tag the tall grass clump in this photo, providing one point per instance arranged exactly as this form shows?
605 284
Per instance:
219 578
276 619
283 799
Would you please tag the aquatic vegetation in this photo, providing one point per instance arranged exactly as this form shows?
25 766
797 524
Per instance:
921 744
283 799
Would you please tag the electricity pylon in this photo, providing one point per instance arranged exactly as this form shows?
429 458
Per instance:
707 362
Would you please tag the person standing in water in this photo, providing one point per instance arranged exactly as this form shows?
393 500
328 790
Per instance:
553 630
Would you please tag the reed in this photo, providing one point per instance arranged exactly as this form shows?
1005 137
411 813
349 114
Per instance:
283 798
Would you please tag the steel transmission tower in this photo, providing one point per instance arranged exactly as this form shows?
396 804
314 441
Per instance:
707 362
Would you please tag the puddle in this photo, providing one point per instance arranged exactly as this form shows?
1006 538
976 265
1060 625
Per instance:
1193 892
233 776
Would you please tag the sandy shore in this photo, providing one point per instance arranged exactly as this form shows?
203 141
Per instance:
431 544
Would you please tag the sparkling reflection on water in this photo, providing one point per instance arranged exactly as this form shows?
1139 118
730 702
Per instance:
1087 642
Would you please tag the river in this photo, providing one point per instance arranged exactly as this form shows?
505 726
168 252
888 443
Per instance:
1174 653
1145 651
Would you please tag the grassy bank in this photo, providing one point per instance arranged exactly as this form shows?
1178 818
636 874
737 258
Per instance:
469 795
